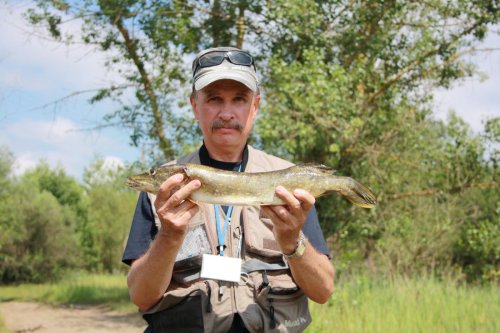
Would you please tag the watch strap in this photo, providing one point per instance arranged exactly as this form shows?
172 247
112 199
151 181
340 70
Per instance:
299 250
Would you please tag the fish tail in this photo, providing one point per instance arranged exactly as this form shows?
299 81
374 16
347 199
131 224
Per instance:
359 194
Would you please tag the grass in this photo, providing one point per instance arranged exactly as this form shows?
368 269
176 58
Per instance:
78 288
3 328
424 305
360 304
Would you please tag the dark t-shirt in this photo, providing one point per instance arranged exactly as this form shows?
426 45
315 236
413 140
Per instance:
143 229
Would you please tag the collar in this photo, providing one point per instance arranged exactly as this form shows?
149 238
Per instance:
205 159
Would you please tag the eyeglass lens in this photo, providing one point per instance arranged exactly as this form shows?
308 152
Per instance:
216 58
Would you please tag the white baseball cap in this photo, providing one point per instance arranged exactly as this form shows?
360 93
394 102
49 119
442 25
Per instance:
224 63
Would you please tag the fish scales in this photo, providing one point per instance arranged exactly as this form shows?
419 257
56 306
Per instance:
243 188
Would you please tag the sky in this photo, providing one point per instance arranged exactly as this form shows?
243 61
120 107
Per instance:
36 72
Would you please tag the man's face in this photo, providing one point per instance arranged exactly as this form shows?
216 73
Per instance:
225 111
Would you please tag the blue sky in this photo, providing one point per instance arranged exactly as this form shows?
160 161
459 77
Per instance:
35 72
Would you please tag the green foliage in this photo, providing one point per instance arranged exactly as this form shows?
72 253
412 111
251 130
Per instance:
50 223
477 249
6 161
347 84
110 213
363 304
63 187
36 234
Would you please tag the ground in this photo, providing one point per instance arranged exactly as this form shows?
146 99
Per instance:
24 317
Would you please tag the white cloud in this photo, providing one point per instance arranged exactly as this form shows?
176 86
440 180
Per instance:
23 163
29 62
473 100
35 72
112 163
60 143
58 131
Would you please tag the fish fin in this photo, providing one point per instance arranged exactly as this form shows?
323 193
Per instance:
196 202
360 195
317 167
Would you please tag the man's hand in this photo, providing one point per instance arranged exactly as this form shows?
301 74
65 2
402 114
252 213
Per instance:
289 219
172 206
150 275
313 271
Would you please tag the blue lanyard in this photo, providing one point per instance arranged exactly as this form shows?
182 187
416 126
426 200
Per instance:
227 222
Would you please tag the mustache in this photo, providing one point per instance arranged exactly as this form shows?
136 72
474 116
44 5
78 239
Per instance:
233 124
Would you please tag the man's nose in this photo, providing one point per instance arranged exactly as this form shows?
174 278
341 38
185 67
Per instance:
226 112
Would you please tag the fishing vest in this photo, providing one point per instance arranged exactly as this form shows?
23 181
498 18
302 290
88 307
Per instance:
266 297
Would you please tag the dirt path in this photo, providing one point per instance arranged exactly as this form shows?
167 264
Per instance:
24 317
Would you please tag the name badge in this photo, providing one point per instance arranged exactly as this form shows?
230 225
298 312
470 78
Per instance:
221 268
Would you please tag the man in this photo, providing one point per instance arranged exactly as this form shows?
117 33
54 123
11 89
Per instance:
278 252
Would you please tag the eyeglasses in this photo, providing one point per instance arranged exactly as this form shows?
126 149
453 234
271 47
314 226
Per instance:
215 58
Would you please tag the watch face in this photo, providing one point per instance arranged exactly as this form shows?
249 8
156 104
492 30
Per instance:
299 251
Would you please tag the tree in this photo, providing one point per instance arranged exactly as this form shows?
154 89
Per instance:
110 212
348 84
6 161
38 224
147 44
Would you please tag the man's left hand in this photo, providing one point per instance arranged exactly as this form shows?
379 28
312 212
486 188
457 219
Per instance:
289 219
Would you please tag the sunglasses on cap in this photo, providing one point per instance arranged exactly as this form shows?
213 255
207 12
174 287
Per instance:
215 58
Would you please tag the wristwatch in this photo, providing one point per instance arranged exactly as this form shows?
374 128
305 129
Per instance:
299 250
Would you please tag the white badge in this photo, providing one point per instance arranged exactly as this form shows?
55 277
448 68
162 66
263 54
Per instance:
221 268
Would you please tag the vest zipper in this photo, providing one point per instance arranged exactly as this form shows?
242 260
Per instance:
231 250
265 281
209 294
264 284
272 323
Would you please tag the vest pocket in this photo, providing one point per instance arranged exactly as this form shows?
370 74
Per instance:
187 309
259 236
284 306
186 316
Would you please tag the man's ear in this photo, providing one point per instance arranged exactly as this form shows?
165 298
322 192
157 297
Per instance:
256 104
194 106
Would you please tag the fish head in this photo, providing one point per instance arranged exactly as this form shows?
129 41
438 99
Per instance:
151 180
144 182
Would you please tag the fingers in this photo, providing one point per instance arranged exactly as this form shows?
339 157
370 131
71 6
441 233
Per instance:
167 197
171 204
286 226
279 214
269 211
182 194
166 188
299 202
307 199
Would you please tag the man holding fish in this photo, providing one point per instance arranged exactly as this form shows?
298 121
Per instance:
200 267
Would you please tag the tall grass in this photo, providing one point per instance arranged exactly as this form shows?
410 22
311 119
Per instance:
401 305
78 288
360 304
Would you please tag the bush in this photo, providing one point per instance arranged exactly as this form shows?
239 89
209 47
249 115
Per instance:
37 240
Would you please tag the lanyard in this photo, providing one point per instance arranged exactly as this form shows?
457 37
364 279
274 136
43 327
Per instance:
221 234
227 221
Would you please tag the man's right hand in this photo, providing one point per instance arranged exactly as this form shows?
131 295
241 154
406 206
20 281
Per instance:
172 206
151 274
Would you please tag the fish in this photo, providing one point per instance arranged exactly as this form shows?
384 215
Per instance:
234 188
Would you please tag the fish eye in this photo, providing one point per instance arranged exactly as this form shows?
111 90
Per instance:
152 172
